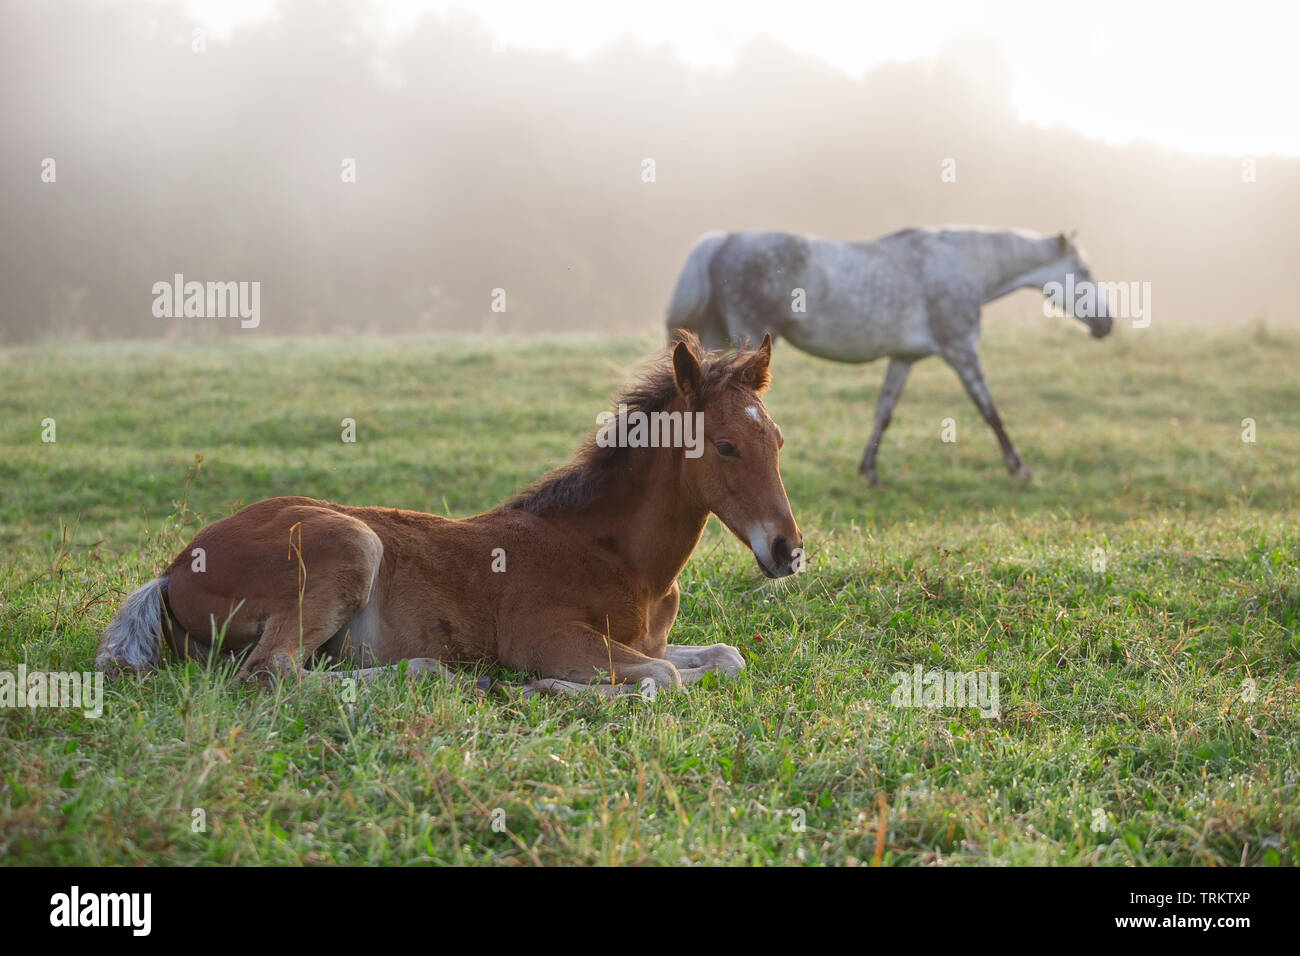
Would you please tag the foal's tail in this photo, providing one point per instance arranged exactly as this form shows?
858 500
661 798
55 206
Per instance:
133 641
690 302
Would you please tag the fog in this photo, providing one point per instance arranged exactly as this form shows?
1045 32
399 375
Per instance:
479 170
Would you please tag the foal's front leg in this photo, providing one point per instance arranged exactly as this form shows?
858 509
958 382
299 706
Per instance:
693 661
575 658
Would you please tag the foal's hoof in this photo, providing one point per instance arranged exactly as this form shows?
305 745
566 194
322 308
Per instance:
728 661
870 474
264 678
1021 475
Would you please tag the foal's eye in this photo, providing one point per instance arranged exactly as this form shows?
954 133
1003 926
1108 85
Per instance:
725 450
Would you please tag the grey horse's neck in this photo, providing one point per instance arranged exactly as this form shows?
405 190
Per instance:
1006 260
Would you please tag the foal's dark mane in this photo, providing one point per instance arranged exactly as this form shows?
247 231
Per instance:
588 473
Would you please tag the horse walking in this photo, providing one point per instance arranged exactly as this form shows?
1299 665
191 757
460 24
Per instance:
574 580
914 293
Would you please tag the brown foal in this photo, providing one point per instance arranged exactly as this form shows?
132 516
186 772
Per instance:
574 580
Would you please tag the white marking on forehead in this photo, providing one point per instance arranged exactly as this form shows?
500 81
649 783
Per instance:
752 412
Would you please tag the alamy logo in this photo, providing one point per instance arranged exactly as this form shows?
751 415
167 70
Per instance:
1088 299
638 429
102 909
215 300
934 689
83 690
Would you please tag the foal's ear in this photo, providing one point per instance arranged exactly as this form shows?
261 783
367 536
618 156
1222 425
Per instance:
686 370
755 374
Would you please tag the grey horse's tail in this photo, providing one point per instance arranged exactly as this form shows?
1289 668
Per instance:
689 307
133 641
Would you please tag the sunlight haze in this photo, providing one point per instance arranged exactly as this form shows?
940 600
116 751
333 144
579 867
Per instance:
1192 76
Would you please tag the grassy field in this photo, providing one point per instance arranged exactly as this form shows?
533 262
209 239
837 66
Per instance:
1128 731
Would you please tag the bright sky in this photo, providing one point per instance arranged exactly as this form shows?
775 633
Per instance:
1204 77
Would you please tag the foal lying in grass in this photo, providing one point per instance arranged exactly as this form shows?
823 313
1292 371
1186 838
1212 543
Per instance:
574 580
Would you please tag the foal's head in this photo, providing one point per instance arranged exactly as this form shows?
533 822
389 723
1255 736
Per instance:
737 476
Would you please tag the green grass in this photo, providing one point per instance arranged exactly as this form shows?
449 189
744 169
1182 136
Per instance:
1121 691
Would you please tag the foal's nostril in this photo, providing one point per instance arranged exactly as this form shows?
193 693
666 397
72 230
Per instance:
781 553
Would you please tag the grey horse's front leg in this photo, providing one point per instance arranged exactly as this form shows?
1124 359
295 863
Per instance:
967 366
895 379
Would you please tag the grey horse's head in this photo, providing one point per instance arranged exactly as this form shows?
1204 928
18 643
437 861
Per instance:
1080 295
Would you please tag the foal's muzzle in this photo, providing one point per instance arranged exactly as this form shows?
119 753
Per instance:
786 557
1100 327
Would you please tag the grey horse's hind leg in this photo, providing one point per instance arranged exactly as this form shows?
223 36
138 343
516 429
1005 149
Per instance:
895 379
713 337
967 366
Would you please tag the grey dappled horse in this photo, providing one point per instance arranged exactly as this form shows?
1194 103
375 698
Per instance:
908 295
